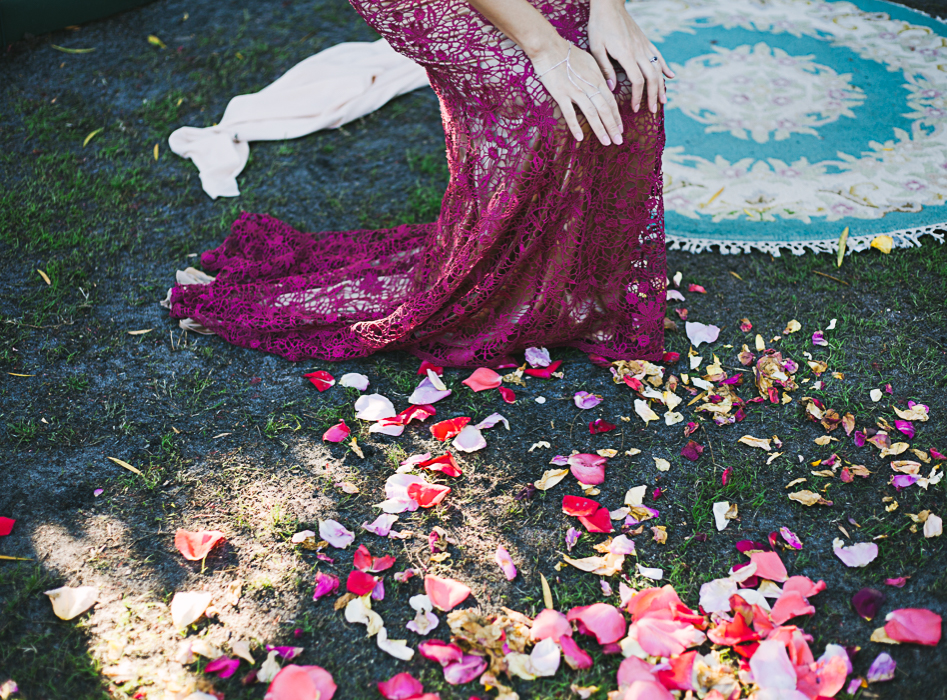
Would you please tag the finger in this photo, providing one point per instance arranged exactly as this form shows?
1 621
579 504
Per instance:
591 116
608 112
665 69
652 77
637 84
565 106
605 65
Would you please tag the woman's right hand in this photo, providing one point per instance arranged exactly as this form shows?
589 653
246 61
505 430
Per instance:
573 77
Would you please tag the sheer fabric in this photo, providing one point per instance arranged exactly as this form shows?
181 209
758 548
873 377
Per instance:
541 240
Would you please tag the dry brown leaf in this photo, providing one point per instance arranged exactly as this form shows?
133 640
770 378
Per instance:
800 480
45 277
125 465
824 440
808 498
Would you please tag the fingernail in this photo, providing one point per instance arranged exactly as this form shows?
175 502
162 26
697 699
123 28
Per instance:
619 140
606 141
611 84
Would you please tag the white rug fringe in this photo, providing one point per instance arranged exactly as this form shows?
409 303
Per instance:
905 238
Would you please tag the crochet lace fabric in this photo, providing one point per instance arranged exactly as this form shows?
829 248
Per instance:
541 240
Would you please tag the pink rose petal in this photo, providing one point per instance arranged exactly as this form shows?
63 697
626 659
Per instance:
538 357
857 555
445 593
769 566
505 562
588 468
699 333
604 621
585 400
382 525
335 534
441 652
550 623
325 584
914 625
224 667
575 656
400 687
337 433
692 451
819 339
301 683
905 427
465 670
483 379
790 538
882 669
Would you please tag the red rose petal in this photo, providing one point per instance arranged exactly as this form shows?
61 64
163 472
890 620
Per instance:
441 652
692 451
321 380
599 521
507 394
544 372
6 526
427 495
420 413
425 366
447 429
360 583
577 505
601 426
446 464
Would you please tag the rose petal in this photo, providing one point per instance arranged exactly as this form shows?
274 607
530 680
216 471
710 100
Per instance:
464 671
441 652
354 380
585 400
321 380
187 608
699 333
427 393
374 407
400 687
867 602
301 683
446 464
381 526
447 429
483 379
604 621
505 562
507 394
335 534
544 372
692 451
914 625
427 495
445 593
588 468
337 433
325 584
6 524
71 602
194 546
538 357
550 624
857 555
882 669
224 666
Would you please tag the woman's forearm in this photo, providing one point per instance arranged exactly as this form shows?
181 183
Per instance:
523 24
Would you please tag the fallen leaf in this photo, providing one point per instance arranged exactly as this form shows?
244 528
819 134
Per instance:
125 465
92 136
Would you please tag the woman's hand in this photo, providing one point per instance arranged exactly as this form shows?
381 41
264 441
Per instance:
613 34
572 76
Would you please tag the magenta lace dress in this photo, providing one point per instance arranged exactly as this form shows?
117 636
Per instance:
541 240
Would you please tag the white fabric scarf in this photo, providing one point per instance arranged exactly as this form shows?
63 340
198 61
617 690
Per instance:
325 91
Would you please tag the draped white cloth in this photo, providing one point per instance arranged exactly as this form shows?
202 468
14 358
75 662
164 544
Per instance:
325 91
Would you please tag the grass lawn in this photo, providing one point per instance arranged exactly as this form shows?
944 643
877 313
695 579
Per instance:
231 440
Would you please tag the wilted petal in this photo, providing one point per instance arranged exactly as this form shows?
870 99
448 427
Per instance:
465 670
791 539
699 333
374 407
335 534
505 562
933 526
692 451
882 669
857 555
354 380
423 623
643 409
397 648
819 339
867 602
720 510
71 602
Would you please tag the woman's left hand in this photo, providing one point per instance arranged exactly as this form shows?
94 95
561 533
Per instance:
613 34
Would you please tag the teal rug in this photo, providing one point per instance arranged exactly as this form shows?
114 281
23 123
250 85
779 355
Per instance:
792 120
